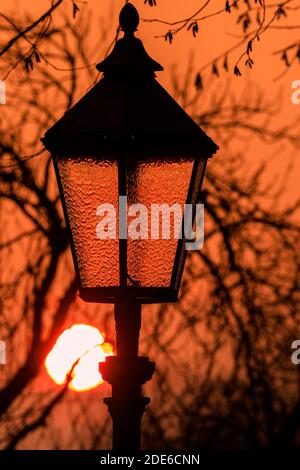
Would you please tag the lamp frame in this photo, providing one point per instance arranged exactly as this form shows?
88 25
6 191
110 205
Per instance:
144 295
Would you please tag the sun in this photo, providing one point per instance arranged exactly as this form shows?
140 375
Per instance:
78 350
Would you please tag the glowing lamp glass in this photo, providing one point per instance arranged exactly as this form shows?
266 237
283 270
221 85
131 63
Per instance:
153 253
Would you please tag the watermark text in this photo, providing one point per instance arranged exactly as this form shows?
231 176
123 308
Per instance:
159 221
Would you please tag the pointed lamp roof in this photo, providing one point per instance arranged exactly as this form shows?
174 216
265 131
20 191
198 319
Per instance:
128 107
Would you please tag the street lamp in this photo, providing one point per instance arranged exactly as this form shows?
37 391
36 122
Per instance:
127 142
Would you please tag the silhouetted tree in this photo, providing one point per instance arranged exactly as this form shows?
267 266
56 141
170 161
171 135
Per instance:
254 19
224 374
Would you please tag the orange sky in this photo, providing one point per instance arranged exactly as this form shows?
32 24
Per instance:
215 36
212 40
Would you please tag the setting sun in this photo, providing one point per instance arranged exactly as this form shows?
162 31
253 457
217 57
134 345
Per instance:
80 347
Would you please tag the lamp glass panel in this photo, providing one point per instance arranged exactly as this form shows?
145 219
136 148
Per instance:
161 186
201 165
88 183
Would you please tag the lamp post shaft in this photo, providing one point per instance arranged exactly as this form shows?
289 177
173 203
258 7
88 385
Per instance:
126 373
128 325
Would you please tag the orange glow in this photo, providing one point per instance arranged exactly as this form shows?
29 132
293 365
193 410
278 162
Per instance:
84 346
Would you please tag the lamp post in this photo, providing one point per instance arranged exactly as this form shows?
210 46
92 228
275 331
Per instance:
126 141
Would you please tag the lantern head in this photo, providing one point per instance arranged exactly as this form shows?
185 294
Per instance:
128 159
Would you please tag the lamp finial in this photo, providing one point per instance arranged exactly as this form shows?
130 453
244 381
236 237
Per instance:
129 19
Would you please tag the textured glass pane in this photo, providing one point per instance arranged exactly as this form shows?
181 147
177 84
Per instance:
194 200
150 261
88 183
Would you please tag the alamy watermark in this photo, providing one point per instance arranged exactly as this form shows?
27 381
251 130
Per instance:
2 353
154 223
295 357
2 92
295 97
